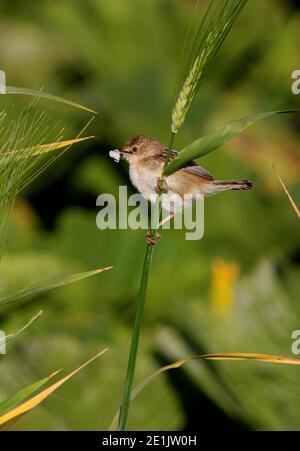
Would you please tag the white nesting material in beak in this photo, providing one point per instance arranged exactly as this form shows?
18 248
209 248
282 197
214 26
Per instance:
115 154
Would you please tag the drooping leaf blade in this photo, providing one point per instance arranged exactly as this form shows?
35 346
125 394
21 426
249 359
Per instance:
226 356
10 417
44 95
208 143
37 290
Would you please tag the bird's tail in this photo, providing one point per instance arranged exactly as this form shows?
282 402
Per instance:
224 185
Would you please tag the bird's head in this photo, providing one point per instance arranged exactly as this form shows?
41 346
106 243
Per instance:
141 147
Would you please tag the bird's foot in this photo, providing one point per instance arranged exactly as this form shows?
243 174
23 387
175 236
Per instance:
151 238
161 185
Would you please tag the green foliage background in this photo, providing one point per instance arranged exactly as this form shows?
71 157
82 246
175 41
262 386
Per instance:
121 58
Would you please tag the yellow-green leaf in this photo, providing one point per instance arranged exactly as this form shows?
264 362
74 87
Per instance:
15 414
43 148
24 393
221 357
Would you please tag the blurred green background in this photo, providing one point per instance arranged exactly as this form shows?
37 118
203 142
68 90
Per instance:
237 290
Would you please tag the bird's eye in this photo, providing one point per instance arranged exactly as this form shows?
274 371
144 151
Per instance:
134 149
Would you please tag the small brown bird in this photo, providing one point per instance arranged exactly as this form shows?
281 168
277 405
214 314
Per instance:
146 157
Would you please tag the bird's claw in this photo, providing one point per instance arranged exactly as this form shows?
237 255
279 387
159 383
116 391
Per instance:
152 238
161 186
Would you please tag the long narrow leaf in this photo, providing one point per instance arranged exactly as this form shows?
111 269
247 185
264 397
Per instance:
41 149
44 95
218 357
24 393
15 414
208 143
43 288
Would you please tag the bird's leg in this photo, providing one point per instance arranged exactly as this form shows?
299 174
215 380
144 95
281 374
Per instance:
151 238
161 185
161 188
168 218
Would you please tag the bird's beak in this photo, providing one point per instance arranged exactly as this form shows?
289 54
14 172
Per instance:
117 154
125 154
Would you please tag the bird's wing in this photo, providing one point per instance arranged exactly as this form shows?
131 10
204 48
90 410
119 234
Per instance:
194 169
191 167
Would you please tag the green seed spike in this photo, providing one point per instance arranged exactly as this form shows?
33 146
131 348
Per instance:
210 35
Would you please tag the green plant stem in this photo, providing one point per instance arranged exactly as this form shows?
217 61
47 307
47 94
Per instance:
123 418
124 410
167 160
